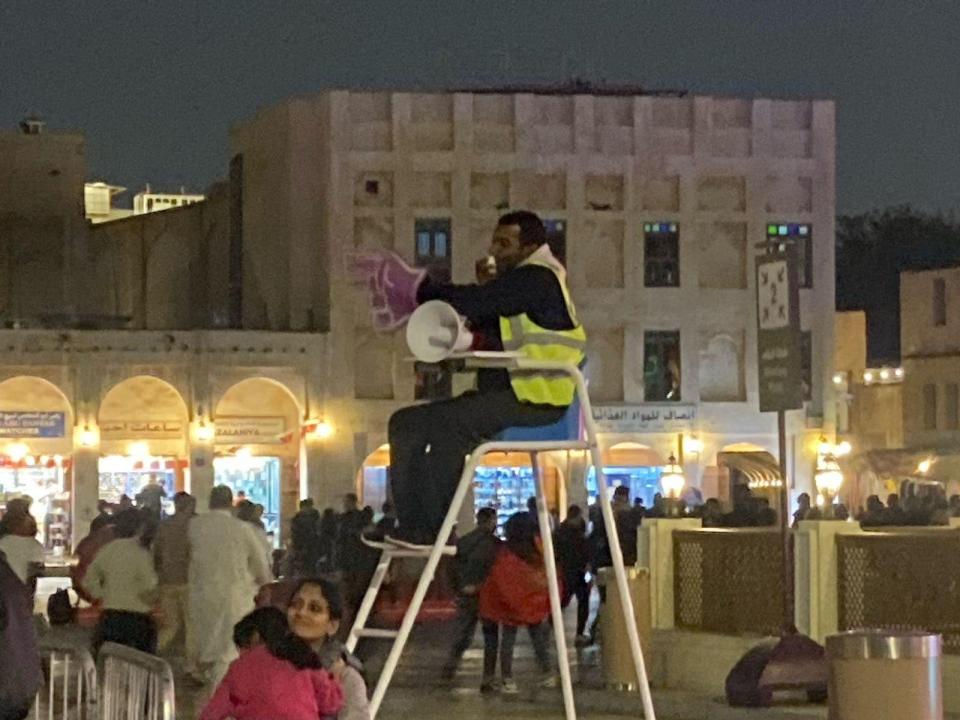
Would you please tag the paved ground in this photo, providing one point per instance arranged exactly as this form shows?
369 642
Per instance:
417 692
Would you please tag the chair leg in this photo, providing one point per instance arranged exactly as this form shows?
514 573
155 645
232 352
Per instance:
556 612
369 598
620 572
426 577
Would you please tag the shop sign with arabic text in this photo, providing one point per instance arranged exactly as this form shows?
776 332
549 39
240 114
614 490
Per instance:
647 417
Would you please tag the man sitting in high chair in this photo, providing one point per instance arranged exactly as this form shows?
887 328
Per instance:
524 307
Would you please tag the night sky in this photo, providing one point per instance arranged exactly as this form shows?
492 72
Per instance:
155 86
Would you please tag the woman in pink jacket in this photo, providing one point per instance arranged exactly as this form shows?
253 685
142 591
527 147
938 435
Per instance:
276 677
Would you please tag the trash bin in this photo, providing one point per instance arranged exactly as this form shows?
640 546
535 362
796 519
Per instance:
616 660
894 675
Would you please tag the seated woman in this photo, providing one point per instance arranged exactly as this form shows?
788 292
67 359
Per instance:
314 615
277 675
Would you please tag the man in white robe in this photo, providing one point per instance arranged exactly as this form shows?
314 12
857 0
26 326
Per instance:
227 567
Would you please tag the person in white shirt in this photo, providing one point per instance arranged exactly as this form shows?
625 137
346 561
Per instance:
123 579
228 565
24 552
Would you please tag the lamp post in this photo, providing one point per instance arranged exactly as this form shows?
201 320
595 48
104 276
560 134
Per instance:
672 482
828 479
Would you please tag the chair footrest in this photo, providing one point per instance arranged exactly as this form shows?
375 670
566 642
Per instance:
400 548
376 633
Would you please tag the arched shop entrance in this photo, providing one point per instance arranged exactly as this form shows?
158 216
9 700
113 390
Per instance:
631 464
750 465
258 443
143 438
504 481
36 441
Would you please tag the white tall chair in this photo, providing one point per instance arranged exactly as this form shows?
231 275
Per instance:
509 361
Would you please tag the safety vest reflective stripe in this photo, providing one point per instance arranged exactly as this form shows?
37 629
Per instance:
519 333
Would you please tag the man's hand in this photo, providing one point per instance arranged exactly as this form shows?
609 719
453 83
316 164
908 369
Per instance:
391 284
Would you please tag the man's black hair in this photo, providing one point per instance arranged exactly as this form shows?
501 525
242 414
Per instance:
486 514
532 231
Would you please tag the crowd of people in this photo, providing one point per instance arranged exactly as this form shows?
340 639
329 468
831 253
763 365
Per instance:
198 577
195 577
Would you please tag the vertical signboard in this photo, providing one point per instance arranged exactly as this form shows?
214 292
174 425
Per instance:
778 331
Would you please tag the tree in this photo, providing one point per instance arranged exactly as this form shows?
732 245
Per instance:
872 250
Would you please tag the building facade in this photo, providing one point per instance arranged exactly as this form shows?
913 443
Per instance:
222 341
126 359
656 203
930 342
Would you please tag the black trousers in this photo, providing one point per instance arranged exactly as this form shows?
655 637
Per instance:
577 586
465 628
133 629
428 444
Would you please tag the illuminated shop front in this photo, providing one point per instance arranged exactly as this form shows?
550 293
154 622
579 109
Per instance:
504 481
629 464
258 443
35 455
143 439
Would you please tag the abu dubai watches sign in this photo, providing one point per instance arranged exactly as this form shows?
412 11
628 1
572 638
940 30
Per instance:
25 424
666 417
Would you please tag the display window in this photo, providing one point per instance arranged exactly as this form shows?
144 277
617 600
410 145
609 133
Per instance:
128 475
259 480
644 482
42 479
504 482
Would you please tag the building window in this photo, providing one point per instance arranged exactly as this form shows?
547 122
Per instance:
661 255
953 406
433 382
802 236
432 250
557 238
929 407
939 302
806 364
661 365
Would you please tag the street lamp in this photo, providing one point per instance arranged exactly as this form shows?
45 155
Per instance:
672 482
828 479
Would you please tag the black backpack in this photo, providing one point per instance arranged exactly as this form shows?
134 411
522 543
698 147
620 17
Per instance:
59 609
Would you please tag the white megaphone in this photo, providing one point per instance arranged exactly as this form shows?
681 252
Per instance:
435 331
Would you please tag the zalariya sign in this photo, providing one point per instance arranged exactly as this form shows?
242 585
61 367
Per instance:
666 417
249 430
22 424
778 331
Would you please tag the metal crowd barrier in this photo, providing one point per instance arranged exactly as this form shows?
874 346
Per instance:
134 685
70 691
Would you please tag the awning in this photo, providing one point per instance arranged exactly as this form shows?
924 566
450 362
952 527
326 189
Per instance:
760 468
901 463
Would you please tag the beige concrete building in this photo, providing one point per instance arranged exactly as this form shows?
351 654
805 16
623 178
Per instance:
660 202
126 357
222 342
869 399
930 345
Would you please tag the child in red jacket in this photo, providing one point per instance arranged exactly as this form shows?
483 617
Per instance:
515 594
277 676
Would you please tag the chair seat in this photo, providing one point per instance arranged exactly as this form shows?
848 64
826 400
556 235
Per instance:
566 428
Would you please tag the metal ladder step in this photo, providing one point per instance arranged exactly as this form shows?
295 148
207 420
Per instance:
376 633
401 549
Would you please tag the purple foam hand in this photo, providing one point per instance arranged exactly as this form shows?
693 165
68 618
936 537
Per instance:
392 286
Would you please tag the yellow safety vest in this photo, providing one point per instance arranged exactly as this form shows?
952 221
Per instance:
520 333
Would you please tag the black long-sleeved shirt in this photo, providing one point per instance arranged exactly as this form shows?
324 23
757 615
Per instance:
530 289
